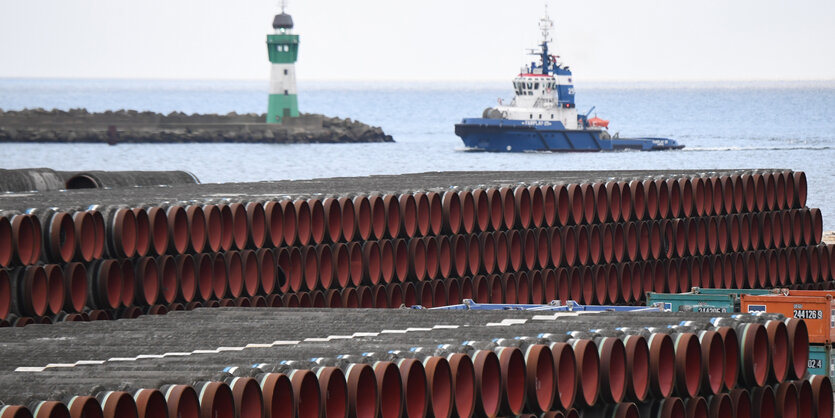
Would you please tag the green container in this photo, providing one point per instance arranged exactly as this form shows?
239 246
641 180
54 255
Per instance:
734 292
820 360
691 302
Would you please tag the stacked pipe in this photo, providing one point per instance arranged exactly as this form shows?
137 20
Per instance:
415 363
605 242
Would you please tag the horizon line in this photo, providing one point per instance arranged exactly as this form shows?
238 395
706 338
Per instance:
427 81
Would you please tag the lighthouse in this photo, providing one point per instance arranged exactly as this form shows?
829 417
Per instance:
283 49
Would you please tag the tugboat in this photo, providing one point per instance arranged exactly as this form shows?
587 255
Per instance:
543 116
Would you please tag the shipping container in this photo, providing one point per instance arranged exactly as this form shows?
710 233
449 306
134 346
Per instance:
817 311
705 299
691 302
820 360
737 292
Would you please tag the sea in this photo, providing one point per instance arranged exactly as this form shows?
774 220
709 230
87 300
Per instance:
724 125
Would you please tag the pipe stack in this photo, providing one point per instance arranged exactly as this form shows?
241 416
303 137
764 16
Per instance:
595 242
416 363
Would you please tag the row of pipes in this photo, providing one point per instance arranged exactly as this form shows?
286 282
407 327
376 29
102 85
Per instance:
740 366
606 242
97 231
263 278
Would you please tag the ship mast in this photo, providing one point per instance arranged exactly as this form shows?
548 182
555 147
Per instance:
545 26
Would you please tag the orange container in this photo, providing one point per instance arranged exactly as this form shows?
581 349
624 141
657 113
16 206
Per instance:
819 293
818 311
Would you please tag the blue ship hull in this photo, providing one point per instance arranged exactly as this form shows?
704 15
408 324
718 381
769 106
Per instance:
503 135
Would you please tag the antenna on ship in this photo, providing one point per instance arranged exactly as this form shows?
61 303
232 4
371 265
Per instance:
545 25
283 5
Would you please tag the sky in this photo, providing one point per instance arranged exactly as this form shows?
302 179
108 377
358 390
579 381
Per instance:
396 40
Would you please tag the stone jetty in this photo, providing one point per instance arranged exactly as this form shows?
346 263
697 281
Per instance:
130 126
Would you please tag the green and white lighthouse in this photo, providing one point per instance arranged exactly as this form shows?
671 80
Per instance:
283 49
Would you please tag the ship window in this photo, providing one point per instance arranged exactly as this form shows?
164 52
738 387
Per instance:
531 115
552 116
530 85
285 72
536 86
540 115
286 92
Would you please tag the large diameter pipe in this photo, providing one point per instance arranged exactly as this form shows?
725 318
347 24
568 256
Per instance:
496 209
304 222
732 356
55 289
126 179
563 205
306 391
105 284
754 353
30 179
785 399
741 403
800 189
413 378
468 212
662 365
713 362
332 383
463 384
541 378
565 366
181 400
549 206
362 391
394 219
196 228
26 239
409 215
798 347
778 342
821 395
537 206
439 382
488 380
274 218
613 367
150 403
452 212
637 367
763 402
696 407
588 362
671 407
513 377
177 229
805 398
58 236
389 389
88 407
49 409
121 404
317 222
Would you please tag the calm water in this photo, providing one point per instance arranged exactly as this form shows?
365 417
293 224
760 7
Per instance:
741 125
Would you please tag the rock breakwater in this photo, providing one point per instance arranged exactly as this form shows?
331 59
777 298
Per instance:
130 126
